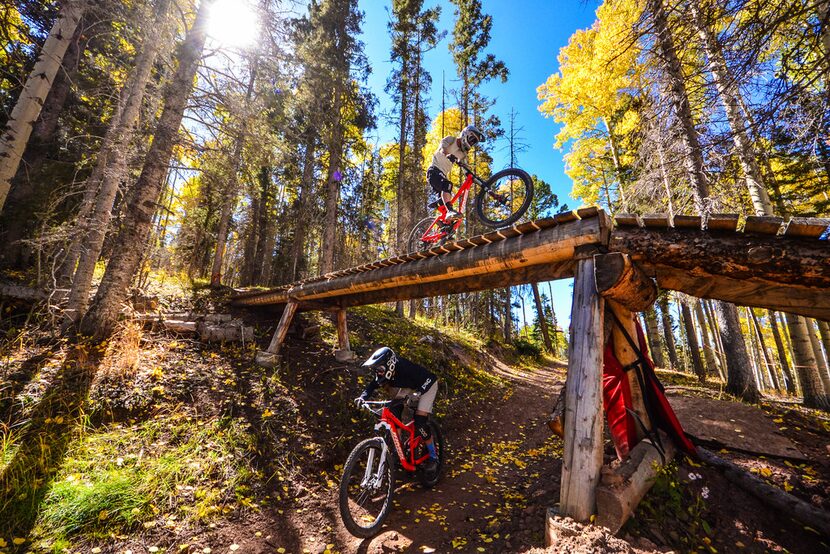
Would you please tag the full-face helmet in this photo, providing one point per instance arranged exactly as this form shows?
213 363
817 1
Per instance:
470 136
382 363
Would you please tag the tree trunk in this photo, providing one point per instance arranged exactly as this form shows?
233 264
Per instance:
804 361
668 334
694 347
542 321
30 189
330 218
402 207
821 363
717 343
508 314
708 352
755 356
727 90
739 372
28 106
782 353
110 169
692 152
142 204
301 223
764 352
229 201
653 335
824 331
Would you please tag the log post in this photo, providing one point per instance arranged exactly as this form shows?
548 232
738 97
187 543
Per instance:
582 458
618 278
627 289
344 352
626 355
270 357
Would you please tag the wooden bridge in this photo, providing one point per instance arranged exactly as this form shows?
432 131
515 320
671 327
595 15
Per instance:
617 265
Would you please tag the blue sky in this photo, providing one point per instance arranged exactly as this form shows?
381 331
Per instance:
527 36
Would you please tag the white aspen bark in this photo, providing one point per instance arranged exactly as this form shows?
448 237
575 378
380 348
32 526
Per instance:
694 347
739 375
729 95
782 353
762 345
692 152
708 352
821 363
141 206
110 168
804 361
27 108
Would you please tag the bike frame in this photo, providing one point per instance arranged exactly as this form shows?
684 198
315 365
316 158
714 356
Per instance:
395 427
433 232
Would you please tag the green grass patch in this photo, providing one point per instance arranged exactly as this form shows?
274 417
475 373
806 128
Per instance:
172 468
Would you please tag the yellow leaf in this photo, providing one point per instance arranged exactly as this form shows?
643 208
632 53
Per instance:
18 540
3 543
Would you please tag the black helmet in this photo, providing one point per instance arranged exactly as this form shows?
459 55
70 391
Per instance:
382 362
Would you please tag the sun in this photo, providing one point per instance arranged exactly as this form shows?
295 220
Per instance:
233 23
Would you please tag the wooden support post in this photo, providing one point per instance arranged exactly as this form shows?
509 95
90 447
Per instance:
270 357
620 279
344 352
624 485
582 459
626 355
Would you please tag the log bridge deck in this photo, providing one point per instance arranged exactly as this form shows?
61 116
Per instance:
767 263
617 265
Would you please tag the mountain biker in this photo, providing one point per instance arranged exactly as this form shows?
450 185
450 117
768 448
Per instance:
450 151
411 379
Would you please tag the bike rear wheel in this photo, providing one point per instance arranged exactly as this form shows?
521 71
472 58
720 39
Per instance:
365 491
415 244
504 198
429 479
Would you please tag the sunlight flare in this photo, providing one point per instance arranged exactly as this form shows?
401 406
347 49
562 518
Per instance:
234 23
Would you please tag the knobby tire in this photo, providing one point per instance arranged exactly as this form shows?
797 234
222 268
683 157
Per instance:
354 527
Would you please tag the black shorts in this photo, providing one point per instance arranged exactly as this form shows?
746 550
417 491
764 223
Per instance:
437 181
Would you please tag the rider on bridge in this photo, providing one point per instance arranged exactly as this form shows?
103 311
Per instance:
411 379
450 150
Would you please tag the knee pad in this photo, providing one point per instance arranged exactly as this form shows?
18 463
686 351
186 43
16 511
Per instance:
422 426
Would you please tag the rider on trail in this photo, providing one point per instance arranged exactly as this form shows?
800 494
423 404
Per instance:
411 379
450 150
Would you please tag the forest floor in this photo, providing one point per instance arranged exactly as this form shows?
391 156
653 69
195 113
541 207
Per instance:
156 443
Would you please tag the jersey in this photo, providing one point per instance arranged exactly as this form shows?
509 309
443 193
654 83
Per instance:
448 147
408 375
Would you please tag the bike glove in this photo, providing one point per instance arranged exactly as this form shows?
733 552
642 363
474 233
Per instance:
359 401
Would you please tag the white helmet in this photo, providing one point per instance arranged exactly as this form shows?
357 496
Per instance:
470 136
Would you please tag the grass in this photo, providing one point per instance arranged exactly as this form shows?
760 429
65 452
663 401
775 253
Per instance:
172 468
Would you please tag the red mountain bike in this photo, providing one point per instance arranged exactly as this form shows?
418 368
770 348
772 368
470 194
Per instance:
368 480
501 201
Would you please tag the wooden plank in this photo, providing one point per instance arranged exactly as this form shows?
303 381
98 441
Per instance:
656 221
565 217
627 220
806 227
548 246
763 224
722 222
682 221
587 212
618 278
582 457
521 276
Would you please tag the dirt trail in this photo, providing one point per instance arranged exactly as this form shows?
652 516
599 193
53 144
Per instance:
497 458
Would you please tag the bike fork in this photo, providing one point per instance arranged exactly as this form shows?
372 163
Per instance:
370 477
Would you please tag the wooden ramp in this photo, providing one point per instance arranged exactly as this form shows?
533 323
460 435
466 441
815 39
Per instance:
765 263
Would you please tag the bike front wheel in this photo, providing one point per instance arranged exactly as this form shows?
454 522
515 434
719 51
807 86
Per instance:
504 198
366 488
